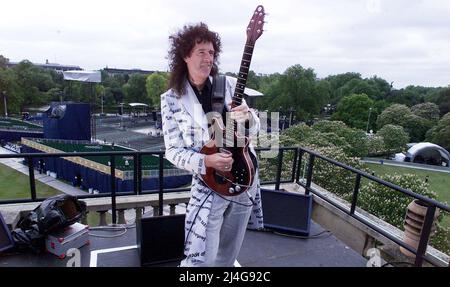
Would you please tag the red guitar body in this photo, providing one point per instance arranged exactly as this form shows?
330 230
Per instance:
240 177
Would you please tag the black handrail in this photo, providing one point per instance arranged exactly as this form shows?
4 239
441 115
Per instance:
296 167
431 203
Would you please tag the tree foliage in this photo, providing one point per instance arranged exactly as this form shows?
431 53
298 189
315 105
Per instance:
135 89
395 115
394 137
354 111
443 101
428 111
440 134
156 84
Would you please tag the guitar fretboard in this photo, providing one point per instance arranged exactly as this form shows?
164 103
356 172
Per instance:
243 74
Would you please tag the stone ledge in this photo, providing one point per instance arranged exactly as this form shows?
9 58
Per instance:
13 212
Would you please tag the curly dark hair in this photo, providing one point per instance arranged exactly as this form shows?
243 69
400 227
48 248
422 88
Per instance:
181 45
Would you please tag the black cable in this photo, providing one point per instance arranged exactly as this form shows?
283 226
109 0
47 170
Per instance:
201 205
246 205
195 217
397 262
314 236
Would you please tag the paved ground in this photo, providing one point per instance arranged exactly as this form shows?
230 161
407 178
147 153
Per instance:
260 249
408 165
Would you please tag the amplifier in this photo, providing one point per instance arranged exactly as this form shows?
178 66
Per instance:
286 212
160 239
6 240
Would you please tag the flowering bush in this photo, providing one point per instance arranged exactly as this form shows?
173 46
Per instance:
388 204
376 146
331 177
395 138
391 206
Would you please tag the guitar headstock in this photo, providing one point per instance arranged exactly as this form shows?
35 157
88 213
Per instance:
255 27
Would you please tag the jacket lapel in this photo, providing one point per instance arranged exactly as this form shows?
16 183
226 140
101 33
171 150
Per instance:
193 107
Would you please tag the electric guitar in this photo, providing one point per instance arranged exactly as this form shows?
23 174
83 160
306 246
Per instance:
240 178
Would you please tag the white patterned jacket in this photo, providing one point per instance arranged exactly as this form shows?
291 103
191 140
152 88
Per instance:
185 129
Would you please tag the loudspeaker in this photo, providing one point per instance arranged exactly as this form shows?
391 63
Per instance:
6 241
160 239
69 121
286 212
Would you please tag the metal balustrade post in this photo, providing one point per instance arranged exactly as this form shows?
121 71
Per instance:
279 164
113 188
31 178
425 235
294 165
299 166
139 173
161 182
310 173
135 174
355 193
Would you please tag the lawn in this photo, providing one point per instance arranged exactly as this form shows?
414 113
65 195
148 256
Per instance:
439 182
16 185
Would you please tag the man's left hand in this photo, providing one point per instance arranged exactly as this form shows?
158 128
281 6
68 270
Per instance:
240 113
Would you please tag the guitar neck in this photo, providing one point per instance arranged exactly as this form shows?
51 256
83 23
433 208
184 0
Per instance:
243 74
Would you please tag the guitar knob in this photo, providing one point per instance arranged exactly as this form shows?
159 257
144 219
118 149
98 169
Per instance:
231 190
237 188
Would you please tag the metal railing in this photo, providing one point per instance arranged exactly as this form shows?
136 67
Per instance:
294 177
431 203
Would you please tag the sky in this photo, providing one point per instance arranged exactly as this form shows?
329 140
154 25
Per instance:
406 42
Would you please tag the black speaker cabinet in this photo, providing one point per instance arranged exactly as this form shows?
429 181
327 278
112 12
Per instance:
286 212
160 239
6 241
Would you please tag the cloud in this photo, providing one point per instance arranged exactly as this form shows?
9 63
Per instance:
401 41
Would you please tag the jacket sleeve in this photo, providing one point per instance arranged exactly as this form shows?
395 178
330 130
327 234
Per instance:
176 151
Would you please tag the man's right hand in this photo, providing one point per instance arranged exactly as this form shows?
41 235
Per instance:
219 161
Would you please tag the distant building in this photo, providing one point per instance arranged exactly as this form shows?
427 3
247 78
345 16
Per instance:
50 66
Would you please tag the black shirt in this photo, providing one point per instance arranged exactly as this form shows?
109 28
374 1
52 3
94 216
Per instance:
204 97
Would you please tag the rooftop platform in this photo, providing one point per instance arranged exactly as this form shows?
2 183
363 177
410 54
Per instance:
260 249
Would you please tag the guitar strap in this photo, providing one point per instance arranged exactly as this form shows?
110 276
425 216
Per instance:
218 93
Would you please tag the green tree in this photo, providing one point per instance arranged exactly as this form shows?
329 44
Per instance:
352 141
409 96
429 111
337 83
11 91
394 137
443 101
3 62
156 84
440 134
417 127
360 86
297 89
396 115
135 90
383 87
34 83
375 146
354 111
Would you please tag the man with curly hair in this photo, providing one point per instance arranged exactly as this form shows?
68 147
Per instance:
215 225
